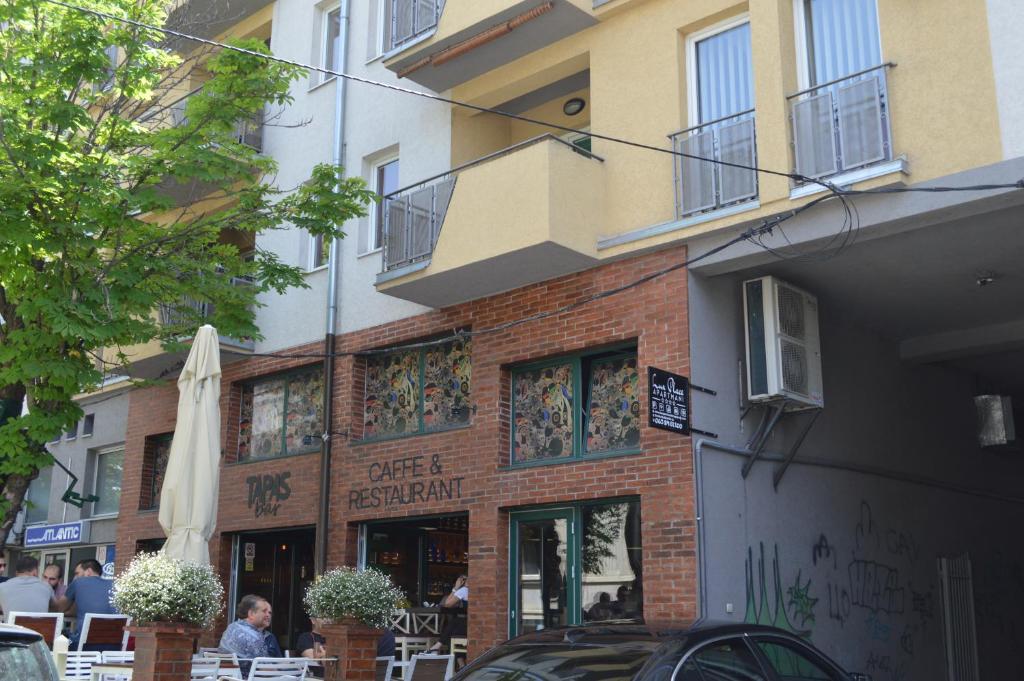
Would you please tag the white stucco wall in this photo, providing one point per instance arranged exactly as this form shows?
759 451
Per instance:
1006 26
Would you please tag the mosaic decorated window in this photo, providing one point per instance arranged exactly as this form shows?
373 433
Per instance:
574 406
420 391
157 451
281 416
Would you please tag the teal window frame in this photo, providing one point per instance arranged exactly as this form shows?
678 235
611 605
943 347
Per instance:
574 572
284 451
421 428
580 414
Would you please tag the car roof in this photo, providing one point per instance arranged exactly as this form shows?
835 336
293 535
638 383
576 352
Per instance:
624 631
13 631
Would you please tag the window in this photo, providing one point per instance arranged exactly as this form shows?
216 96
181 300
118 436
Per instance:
409 19
571 407
840 38
582 563
320 251
72 432
156 453
109 467
421 391
281 416
721 80
385 181
792 663
88 424
37 498
331 57
728 660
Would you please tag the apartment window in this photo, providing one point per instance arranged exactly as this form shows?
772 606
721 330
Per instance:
109 468
282 415
385 181
841 37
576 406
406 20
320 251
88 424
420 391
37 499
331 57
575 564
72 432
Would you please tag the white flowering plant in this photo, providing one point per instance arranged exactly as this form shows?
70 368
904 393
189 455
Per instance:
156 588
366 595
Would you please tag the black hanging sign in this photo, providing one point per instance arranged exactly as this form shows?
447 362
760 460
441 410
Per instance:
668 401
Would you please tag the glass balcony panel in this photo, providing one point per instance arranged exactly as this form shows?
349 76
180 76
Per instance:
396 233
706 185
421 218
698 176
860 124
736 145
814 132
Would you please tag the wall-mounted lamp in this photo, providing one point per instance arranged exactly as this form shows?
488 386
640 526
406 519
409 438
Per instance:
573 106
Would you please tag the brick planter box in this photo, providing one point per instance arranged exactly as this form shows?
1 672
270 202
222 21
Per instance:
355 646
163 650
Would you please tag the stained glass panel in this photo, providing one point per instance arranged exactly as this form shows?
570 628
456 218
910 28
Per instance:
391 405
304 424
543 413
613 421
161 448
245 424
446 381
267 419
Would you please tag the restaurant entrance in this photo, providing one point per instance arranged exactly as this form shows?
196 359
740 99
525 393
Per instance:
423 556
278 566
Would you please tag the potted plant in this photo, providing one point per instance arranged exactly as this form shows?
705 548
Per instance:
170 602
355 606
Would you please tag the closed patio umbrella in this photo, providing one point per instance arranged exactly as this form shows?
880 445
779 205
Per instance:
188 498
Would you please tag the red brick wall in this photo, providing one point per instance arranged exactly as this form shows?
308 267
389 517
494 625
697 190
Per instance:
654 315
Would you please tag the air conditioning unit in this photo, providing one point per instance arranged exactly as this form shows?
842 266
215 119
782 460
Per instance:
783 348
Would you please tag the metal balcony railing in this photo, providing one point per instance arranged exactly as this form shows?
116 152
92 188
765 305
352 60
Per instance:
841 125
413 215
409 19
247 132
182 311
704 185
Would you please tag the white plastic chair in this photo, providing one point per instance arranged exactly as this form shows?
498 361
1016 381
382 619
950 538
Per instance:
118 656
278 669
79 664
100 629
46 624
385 666
217 654
430 668
205 669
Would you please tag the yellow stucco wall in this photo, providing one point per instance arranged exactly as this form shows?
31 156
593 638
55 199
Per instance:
941 97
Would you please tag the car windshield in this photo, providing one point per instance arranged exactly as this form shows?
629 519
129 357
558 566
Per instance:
560 662
26 661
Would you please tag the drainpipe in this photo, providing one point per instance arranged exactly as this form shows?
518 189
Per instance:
333 296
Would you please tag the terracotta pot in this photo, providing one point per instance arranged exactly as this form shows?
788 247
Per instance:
355 646
163 650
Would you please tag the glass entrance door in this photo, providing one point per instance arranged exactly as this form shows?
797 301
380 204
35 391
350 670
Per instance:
543 564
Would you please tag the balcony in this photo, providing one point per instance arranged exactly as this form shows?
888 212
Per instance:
518 216
706 186
210 18
441 45
841 129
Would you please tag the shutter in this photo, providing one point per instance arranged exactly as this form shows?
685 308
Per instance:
860 123
736 145
395 233
698 177
421 214
814 136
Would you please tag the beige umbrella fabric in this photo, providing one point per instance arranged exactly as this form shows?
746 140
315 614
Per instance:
188 498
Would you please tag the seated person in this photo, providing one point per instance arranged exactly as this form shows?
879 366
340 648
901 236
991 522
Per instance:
25 592
88 593
249 636
311 645
602 610
457 600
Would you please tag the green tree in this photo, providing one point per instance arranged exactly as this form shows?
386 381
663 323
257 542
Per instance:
105 217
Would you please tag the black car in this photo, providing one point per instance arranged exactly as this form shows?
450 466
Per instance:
24 656
699 651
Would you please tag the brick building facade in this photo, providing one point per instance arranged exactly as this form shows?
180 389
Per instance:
467 472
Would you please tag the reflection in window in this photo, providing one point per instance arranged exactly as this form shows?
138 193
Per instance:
156 454
791 663
417 392
38 497
728 661
611 554
281 416
109 467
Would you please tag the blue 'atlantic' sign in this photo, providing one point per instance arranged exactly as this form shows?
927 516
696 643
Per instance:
45 535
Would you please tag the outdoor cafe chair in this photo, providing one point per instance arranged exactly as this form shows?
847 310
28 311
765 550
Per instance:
426 667
79 665
278 669
111 630
205 669
216 654
46 624
385 665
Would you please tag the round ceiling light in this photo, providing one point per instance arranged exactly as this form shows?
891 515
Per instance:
573 106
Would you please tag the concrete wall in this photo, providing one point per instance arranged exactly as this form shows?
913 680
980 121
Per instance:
846 557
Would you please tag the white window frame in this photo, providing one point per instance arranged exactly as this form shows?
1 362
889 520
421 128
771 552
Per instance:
91 420
28 497
378 206
313 247
96 475
803 64
326 13
378 37
692 104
